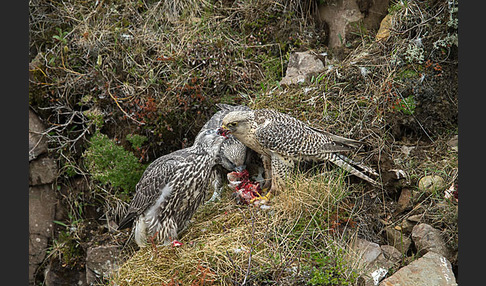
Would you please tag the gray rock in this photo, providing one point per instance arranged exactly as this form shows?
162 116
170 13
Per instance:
101 262
376 260
453 143
37 142
302 66
342 16
398 239
57 274
367 251
432 269
404 201
42 202
391 254
42 171
431 184
415 218
427 238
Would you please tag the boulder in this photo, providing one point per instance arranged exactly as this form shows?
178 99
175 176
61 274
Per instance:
42 171
415 218
37 142
367 251
42 198
56 273
302 66
431 184
376 260
453 143
101 262
427 238
391 254
42 202
404 201
398 239
385 27
432 269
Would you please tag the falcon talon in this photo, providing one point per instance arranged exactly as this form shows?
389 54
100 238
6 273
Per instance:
176 243
246 191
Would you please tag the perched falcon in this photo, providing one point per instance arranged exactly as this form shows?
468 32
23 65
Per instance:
283 139
171 189
233 154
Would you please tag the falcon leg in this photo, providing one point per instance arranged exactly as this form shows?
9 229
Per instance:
281 168
267 165
140 231
216 180
168 233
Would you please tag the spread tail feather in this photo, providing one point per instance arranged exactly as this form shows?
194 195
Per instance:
127 221
347 164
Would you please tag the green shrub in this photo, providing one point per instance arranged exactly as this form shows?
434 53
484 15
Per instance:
331 270
112 164
136 140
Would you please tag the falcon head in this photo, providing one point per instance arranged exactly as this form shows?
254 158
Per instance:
210 142
237 122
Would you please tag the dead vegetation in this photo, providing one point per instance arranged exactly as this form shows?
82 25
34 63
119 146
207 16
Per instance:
156 69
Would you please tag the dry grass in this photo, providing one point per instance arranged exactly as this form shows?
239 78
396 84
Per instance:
230 244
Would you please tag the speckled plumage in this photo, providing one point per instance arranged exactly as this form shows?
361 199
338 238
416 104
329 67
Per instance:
233 154
283 139
171 189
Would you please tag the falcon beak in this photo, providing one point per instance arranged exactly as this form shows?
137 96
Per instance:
223 130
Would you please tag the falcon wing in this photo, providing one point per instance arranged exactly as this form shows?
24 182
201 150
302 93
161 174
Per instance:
149 188
291 137
340 140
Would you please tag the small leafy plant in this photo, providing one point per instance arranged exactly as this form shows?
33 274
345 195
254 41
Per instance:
331 270
406 106
112 164
61 36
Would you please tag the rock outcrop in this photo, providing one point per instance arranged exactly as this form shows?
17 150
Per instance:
302 66
101 262
432 269
344 16
426 238
42 197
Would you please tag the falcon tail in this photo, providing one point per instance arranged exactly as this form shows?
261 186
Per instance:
350 166
127 221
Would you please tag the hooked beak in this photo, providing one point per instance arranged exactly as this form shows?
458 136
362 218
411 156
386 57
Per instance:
223 130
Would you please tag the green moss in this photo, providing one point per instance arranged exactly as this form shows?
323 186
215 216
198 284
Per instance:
112 164
407 73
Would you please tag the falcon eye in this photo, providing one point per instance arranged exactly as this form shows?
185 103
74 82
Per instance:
232 124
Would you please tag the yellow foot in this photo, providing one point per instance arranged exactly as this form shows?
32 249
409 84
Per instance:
265 198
